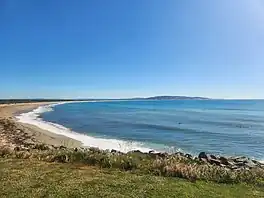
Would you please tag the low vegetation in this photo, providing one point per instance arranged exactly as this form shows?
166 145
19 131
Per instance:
31 169
33 178
142 163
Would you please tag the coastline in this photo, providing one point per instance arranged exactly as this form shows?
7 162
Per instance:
26 117
19 136
8 113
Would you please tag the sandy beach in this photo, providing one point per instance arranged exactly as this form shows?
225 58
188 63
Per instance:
32 133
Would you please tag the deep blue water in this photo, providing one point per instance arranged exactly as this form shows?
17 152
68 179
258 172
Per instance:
229 127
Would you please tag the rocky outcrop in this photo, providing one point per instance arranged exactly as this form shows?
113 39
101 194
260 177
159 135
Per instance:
233 163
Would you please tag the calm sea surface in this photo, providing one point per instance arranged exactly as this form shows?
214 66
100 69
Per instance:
229 127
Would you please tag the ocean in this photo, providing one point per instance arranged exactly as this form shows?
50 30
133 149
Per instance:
222 127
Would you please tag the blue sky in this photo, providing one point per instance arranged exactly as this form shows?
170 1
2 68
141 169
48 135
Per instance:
124 48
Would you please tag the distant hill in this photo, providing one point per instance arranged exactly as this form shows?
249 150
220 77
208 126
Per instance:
176 98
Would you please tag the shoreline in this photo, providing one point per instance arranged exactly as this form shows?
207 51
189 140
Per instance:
9 112
55 134
32 118
15 134
25 115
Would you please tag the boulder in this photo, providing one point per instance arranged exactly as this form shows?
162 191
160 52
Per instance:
222 165
257 163
240 164
213 157
224 160
250 164
62 147
240 159
204 157
215 161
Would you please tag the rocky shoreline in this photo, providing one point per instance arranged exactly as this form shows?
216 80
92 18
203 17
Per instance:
14 137
231 163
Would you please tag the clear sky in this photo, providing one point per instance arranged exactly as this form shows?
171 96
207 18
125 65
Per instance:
130 48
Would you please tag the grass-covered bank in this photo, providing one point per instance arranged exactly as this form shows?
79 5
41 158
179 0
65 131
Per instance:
156 164
29 168
33 178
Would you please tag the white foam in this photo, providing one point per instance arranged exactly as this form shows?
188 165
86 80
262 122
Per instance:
120 145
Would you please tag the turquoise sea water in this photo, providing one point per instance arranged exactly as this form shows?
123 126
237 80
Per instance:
229 127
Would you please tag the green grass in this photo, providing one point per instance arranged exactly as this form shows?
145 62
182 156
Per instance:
33 178
168 166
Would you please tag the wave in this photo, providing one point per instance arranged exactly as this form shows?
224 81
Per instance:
33 118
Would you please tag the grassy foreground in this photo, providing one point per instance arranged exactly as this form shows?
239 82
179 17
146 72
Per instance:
33 178
141 163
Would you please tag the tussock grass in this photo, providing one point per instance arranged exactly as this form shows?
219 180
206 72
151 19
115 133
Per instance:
168 166
34 178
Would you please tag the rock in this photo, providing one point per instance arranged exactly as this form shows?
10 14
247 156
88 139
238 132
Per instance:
62 147
48 158
23 147
250 164
151 151
83 148
188 156
42 147
152 155
203 160
56 147
215 161
222 165
113 151
224 160
234 167
240 164
240 159
213 157
180 154
204 157
28 144
137 151
26 155
257 163
50 147
162 155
